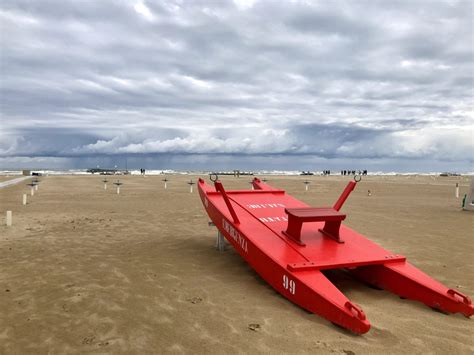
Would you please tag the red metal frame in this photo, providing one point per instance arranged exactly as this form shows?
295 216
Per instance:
257 225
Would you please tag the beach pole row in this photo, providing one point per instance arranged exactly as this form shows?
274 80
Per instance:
34 184
117 184
33 187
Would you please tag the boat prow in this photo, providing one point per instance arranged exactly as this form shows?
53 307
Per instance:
289 244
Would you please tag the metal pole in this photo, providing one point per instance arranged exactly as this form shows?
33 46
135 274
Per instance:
220 241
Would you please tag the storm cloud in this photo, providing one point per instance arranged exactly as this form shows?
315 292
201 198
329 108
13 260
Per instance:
332 80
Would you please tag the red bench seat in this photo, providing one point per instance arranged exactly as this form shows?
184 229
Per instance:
298 216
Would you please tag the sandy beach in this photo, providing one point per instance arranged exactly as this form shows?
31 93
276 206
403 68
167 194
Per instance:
83 269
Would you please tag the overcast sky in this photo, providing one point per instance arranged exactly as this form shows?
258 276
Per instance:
384 85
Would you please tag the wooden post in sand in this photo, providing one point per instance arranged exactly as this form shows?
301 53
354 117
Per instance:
9 218
24 199
457 190
105 181
191 183
118 183
36 182
32 185
306 183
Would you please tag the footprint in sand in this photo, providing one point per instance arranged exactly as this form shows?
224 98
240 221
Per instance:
194 300
254 327
88 340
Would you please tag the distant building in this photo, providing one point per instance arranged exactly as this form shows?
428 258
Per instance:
26 172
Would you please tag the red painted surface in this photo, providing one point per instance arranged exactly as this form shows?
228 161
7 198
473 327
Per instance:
254 221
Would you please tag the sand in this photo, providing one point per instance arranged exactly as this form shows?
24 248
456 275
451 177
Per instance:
87 270
4 178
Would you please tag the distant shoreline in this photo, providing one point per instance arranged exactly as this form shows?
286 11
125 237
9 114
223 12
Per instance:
225 172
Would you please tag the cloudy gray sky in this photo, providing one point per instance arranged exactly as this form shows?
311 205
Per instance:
385 85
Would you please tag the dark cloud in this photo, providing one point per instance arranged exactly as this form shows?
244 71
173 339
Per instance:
349 80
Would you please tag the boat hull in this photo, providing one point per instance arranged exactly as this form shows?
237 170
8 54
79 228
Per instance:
255 228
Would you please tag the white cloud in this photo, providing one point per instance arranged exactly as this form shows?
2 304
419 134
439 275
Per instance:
143 10
244 4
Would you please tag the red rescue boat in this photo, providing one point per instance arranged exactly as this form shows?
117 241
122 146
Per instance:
289 244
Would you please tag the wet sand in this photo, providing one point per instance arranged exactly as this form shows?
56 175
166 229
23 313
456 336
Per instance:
83 269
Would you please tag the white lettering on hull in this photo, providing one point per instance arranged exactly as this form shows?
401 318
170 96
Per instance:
266 205
289 284
241 241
